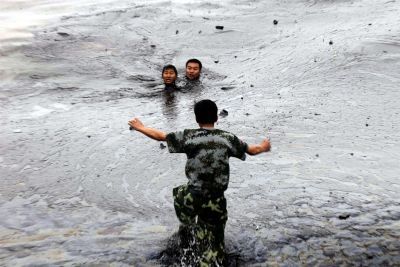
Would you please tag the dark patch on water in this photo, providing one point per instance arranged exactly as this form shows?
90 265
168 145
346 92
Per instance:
344 216
223 113
63 34
37 76
226 88
141 78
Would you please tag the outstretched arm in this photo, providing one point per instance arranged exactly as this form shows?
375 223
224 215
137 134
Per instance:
150 132
264 146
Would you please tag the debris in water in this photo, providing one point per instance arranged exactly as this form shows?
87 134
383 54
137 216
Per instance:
219 27
162 146
216 61
225 88
351 154
251 85
344 217
153 46
223 113
17 131
63 34
275 22
88 136
199 31
367 124
176 32
317 155
330 42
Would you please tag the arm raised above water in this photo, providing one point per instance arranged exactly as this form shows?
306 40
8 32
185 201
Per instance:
150 132
264 146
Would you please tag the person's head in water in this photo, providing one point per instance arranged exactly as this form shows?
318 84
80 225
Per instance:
193 69
206 112
169 75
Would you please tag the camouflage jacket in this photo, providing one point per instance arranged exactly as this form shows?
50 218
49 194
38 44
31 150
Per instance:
208 152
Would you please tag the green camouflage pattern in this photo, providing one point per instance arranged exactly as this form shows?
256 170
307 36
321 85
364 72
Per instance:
208 152
202 227
200 205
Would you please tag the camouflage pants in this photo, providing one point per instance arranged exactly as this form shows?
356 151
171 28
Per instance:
202 227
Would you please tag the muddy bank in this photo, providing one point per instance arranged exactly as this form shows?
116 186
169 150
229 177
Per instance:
79 188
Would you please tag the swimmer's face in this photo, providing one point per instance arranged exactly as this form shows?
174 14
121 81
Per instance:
169 76
192 71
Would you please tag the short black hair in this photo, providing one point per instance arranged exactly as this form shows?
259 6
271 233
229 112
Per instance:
206 111
172 67
193 60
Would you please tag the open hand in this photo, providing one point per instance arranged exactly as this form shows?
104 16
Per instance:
266 145
136 123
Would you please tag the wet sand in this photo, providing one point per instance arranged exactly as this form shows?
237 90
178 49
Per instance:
77 187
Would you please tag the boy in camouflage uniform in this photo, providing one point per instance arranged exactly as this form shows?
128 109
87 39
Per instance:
200 204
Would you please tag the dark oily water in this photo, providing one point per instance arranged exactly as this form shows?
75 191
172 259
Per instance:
78 188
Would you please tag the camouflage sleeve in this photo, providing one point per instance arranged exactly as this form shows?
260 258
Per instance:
238 149
175 142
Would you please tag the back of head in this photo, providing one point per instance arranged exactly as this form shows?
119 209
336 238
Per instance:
194 60
206 111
